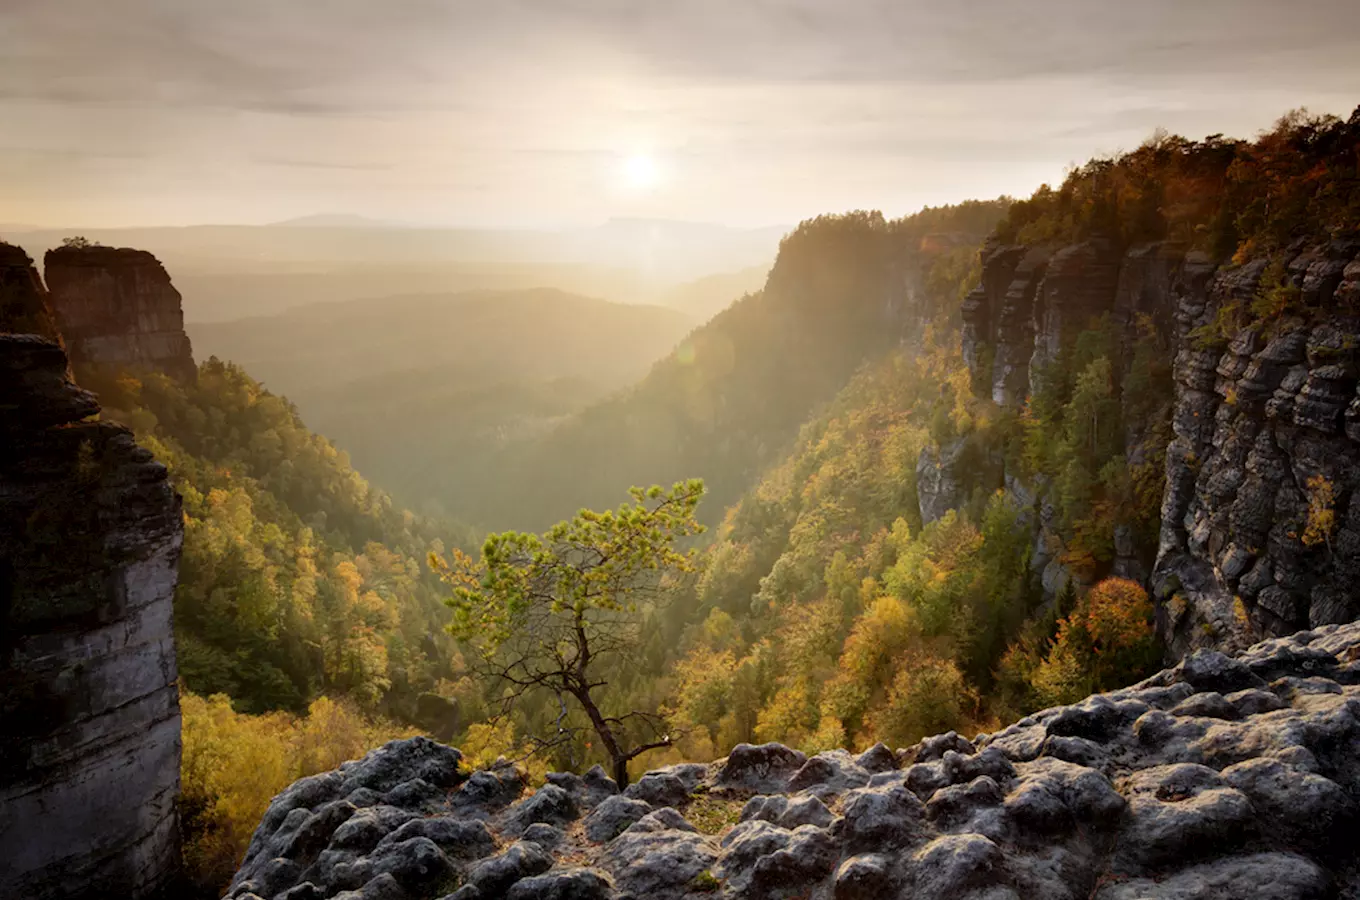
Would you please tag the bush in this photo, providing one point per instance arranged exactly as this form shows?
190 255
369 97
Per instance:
1107 641
233 764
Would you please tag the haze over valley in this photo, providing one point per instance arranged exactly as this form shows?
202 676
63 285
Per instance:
594 450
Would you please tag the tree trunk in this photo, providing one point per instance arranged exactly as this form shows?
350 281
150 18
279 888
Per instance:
617 758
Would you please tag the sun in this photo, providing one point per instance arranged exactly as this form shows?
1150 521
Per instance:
640 172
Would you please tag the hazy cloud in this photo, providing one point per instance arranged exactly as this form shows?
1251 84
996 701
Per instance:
520 110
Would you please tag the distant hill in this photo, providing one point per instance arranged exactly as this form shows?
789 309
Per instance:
233 271
340 220
423 390
731 397
706 297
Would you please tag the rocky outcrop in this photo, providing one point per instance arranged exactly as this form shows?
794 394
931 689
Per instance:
24 305
1258 534
90 535
117 308
1219 779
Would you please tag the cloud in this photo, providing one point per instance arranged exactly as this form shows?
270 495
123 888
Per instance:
764 108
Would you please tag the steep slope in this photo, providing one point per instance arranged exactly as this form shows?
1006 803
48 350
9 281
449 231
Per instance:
705 298
728 400
298 578
90 536
1230 267
1218 779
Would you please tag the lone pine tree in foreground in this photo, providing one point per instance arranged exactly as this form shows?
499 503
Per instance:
555 612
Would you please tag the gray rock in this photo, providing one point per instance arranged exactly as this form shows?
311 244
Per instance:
664 819
1180 812
809 857
362 831
522 859
881 818
954 863
658 864
1210 704
1265 876
417 864
458 838
550 804
805 810
417 794
383 887
868 876
608 820
658 789
564 884
1310 809
1161 789
761 769
546 836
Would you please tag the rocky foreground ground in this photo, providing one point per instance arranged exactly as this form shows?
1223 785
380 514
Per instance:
1220 779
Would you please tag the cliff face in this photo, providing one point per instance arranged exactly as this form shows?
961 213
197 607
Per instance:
90 536
117 307
24 305
1218 779
1259 532
1265 422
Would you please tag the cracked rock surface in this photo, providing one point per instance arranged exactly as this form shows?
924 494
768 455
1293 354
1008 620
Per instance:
1219 779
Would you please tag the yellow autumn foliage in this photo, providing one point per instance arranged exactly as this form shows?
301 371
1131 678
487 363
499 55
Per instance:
234 764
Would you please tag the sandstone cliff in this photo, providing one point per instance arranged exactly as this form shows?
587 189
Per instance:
117 307
25 307
1264 422
1219 779
90 535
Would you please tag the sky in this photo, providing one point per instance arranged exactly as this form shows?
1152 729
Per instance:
531 113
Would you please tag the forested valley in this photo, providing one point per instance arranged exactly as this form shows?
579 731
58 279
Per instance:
809 592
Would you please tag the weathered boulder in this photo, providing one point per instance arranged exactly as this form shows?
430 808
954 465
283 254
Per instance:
1221 777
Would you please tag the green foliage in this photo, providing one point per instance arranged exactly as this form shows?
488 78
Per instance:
233 764
1276 296
825 615
550 615
594 562
705 883
296 576
726 404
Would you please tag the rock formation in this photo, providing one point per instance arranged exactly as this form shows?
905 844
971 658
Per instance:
1220 779
1266 423
117 307
25 307
90 535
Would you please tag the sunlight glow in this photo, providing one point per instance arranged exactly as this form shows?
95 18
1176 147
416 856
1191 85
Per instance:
640 172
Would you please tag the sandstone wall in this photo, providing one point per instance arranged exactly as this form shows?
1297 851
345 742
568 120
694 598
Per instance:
1267 440
90 536
1255 421
24 304
117 307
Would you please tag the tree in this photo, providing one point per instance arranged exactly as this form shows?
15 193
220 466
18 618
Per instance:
78 242
552 613
1108 640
